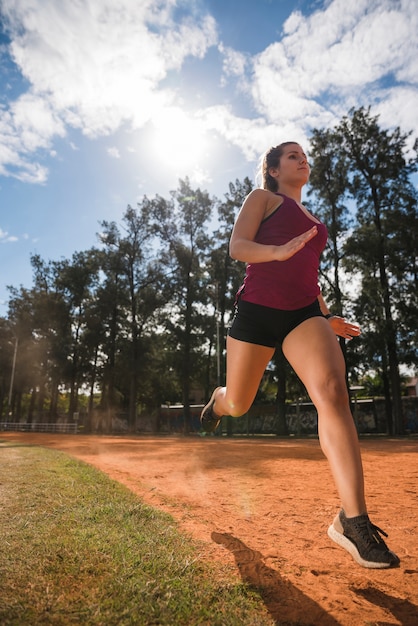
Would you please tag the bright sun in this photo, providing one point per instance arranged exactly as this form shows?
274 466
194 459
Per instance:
179 141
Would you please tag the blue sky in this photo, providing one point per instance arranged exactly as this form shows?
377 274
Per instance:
102 102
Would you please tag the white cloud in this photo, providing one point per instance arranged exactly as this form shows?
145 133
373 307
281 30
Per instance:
199 177
6 238
28 126
252 136
92 65
99 65
113 152
342 56
397 108
335 56
234 63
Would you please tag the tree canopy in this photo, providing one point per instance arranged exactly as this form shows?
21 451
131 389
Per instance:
140 319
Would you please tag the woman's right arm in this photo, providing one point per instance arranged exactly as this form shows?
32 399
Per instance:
242 246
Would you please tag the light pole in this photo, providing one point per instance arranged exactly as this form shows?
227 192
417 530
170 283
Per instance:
218 339
12 378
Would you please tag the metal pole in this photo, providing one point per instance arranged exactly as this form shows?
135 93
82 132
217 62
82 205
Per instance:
13 374
218 339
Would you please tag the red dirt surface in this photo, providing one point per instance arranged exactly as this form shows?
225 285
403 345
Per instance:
262 507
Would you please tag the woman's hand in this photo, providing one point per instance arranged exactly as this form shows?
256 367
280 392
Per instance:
344 329
289 249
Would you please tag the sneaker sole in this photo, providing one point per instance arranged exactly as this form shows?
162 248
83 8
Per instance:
208 405
348 545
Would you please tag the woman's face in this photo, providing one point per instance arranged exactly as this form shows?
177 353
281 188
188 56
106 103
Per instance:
293 166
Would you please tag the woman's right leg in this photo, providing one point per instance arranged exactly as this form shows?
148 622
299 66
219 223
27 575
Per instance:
245 366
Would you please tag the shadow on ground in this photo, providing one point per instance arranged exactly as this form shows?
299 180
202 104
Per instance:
404 611
285 603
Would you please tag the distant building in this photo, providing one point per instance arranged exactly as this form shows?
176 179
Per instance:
412 387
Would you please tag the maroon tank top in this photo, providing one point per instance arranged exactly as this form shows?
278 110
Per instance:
291 284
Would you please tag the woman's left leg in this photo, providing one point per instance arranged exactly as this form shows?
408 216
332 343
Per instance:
314 353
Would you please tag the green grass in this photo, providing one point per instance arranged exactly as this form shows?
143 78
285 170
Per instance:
79 548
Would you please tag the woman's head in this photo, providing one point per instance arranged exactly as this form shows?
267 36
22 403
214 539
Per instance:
271 160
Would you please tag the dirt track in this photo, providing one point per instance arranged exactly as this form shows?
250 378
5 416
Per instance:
263 507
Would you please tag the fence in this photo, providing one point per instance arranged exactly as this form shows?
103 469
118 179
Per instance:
301 420
39 428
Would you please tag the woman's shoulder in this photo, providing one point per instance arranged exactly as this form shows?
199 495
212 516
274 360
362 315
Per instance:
262 193
261 202
264 196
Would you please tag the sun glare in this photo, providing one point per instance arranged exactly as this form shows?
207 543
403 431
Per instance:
179 142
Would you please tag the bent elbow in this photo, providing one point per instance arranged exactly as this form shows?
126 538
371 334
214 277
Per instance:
234 250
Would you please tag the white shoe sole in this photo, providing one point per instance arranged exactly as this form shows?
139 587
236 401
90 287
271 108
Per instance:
207 406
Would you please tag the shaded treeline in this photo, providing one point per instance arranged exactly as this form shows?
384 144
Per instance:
140 319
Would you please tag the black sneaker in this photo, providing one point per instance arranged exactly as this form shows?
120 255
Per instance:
209 420
362 540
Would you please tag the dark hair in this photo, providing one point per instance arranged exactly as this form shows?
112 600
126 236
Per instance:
272 159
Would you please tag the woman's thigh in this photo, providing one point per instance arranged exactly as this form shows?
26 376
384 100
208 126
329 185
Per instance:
245 366
313 351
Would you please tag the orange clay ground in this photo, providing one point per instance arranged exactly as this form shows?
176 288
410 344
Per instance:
262 508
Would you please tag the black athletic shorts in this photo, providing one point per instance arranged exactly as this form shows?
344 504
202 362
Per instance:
266 326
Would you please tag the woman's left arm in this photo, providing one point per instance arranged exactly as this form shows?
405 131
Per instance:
339 325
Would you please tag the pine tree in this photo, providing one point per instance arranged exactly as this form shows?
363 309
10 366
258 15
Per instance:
379 172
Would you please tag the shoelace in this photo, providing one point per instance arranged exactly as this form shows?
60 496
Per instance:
367 530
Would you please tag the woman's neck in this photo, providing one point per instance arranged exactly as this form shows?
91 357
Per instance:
291 192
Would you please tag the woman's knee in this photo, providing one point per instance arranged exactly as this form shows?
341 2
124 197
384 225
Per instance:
237 406
332 389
